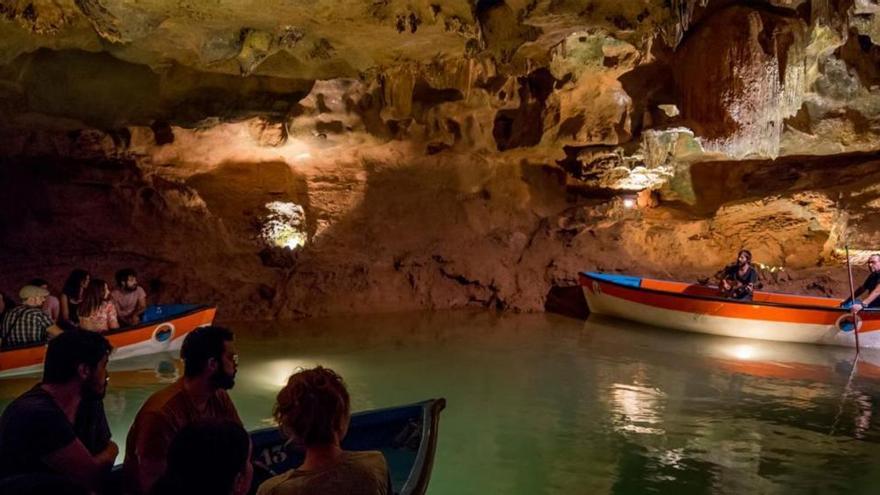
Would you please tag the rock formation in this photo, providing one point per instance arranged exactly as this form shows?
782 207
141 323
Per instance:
285 159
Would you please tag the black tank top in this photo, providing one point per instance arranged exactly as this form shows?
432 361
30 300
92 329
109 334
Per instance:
72 312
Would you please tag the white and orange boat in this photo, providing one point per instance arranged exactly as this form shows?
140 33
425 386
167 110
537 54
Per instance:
699 308
163 329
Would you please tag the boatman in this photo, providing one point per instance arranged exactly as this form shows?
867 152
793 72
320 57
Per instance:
871 285
737 280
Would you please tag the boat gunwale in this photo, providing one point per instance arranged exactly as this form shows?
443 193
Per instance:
117 331
726 300
424 462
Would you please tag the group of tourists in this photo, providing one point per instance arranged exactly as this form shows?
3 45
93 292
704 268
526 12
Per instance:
85 303
186 439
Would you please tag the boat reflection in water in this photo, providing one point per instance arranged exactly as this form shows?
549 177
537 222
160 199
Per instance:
777 381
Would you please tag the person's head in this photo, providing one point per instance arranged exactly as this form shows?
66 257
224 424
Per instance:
93 297
209 352
78 355
210 457
32 295
39 282
126 279
744 257
874 263
314 407
76 283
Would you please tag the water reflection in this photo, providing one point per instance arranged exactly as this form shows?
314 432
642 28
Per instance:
541 404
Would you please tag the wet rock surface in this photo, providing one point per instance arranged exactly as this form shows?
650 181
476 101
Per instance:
435 155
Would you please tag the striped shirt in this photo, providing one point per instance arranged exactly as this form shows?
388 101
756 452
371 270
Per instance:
24 325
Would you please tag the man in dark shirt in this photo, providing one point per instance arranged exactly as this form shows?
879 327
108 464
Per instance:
871 285
210 363
738 280
59 427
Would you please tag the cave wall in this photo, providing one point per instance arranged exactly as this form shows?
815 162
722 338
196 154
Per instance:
444 154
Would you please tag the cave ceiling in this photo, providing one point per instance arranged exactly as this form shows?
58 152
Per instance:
470 114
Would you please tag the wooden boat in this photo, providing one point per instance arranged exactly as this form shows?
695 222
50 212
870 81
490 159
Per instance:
698 308
406 435
163 329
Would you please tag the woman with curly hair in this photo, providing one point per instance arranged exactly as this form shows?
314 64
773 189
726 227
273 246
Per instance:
314 411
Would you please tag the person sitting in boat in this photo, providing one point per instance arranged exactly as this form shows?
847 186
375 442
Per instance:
314 410
128 297
27 323
208 457
59 426
871 285
210 362
96 312
52 306
71 296
737 280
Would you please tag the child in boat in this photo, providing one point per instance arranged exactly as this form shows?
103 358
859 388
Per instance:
314 410
737 280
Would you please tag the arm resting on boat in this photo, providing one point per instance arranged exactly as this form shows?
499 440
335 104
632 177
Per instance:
868 300
54 331
77 463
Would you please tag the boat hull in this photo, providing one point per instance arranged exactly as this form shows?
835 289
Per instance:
778 317
160 335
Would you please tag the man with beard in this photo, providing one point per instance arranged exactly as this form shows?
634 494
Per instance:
871 285
210 362
58 429
128 297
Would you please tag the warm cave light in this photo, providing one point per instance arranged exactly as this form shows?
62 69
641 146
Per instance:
856 256
305 155
285 225
629 202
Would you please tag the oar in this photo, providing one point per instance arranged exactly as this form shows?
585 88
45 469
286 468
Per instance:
846 391
852 296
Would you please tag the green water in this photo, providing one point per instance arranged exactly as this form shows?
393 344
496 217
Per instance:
543 404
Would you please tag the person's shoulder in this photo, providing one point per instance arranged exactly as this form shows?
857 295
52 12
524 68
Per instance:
367 456
371 461
33 406
164 399
272 486
140 291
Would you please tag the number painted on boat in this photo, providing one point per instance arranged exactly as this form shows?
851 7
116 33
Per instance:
272 456
596 287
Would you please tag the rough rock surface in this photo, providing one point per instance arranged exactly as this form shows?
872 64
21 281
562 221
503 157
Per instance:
436 154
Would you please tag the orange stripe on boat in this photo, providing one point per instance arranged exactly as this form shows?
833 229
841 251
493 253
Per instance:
703 300
183 324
